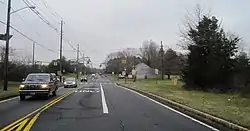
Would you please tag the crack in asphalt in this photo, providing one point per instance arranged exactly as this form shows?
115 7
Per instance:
122 125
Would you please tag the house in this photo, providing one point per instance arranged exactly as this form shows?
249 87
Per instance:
144 71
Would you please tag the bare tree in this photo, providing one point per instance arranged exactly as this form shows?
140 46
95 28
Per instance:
190 21
2 52
149 53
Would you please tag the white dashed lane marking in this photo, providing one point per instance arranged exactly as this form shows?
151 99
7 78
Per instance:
87 91
106 83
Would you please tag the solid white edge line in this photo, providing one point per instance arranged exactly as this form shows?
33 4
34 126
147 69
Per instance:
8 99
187 116
104 104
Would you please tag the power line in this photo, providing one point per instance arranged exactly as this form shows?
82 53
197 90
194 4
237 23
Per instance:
20 17
34 3
40 16
27 37
2 2
56 15
69 43
47 22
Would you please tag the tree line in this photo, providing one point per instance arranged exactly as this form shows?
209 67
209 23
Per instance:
20 67
149 53
214 60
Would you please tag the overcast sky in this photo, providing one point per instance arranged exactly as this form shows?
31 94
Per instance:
104 26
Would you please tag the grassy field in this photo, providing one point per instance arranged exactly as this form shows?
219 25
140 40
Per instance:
231 107
72 75
12 90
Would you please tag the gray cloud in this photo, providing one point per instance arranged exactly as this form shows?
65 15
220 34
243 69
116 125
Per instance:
103 26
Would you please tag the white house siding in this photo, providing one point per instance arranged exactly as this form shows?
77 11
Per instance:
144 70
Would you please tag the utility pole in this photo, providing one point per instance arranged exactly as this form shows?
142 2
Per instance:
61 44
33 54
162 54
83 60
6 60
77 62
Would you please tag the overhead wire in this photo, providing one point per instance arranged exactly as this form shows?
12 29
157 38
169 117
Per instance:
46 21
27 37
38 8
20 17
40 16
55 14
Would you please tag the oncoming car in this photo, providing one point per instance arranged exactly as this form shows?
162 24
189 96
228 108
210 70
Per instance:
84 79
70 82
38 84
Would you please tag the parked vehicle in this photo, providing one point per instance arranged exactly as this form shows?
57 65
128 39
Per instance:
70 82
84 79
38 84
120 76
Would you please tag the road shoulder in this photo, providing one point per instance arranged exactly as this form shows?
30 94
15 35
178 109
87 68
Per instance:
206 118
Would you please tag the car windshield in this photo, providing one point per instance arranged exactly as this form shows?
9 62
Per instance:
38 77
70 79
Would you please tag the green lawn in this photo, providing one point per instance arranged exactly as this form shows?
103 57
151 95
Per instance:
72 75
231 107
11 92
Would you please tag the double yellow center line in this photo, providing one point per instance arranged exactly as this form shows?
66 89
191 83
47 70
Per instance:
21 123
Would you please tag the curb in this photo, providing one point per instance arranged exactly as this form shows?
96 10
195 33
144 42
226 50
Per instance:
200 114
8 97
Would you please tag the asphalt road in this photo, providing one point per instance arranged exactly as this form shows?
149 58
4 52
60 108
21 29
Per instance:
100 105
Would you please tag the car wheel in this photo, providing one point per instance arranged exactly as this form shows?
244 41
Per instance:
54 93
46 96
22 97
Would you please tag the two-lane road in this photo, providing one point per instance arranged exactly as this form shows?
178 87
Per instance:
14 109
100 105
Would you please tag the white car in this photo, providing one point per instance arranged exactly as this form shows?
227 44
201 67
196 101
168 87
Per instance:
121 76
93 75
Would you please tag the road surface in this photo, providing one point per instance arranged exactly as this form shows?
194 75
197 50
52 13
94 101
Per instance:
98 105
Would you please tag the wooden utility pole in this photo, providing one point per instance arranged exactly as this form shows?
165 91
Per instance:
162 54
61 44
33 54
6 58
77 62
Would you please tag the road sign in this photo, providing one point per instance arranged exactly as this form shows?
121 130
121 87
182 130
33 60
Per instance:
174 81
59 73
133 72
4 37
123 73
156 71
124 61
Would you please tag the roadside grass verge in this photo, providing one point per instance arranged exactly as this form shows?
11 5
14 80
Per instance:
11 92
73 75
70 75
228 106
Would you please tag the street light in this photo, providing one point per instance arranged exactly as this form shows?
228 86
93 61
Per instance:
6 58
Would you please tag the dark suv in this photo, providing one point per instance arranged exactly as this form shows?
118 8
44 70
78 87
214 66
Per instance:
38 84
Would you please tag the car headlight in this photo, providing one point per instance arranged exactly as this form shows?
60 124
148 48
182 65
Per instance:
44 85
74 82
64 82
21 86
